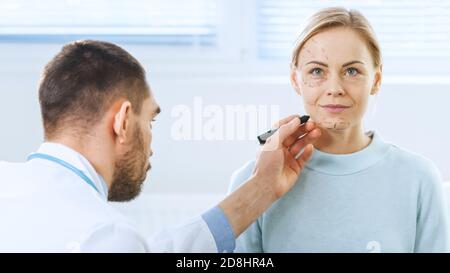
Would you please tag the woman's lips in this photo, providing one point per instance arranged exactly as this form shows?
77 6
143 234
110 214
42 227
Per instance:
334 108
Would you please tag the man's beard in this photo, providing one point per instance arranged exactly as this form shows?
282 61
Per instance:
129 171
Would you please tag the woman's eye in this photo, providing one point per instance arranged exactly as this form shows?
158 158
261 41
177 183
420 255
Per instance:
316 72
352 71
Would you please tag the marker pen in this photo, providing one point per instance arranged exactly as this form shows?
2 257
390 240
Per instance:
263 137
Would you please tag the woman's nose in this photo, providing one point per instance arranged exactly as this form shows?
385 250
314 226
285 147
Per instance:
335 87
335 92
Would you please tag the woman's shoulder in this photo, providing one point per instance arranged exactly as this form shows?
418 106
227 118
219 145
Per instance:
413 161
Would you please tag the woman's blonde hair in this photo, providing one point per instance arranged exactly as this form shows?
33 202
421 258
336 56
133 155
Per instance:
338 17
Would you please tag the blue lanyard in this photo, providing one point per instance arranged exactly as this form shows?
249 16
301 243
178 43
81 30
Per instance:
65 164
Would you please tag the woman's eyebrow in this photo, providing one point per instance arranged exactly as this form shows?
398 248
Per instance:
344 65
352 62
317 62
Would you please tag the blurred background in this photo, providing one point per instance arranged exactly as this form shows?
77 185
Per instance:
210 56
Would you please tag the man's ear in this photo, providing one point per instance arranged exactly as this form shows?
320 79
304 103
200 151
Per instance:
294 80
377 80
122 121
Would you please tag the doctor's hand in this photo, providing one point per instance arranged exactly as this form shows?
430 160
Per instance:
276 170
283 156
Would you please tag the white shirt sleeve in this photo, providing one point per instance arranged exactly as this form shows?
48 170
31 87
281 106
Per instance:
193 236
206 234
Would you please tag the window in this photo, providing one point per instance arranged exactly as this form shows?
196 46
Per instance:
158 22
405 28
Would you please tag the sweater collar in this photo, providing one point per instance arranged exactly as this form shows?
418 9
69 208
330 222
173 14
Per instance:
346 164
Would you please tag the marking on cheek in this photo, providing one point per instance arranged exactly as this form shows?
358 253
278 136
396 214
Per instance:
314 84
305 82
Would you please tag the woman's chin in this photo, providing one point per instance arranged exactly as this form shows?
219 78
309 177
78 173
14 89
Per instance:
333 123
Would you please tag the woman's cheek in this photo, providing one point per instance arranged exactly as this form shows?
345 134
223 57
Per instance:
362 106
310 97
359 94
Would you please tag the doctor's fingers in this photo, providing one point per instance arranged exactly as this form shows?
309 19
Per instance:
276 141
305 156
282 134
284 121
303 129
301 143
287 134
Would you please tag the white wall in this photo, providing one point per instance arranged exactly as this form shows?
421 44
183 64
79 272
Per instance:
412 115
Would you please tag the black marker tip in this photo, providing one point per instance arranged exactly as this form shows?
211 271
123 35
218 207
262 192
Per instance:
304 119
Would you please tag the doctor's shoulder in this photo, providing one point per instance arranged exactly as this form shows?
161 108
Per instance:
2 167
12 169
4 164
241 175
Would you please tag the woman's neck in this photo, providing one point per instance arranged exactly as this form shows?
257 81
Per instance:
345 141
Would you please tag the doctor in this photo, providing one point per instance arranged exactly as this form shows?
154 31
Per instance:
97 111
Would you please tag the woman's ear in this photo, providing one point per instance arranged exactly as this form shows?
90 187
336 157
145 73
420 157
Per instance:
122 121
294 80
377 80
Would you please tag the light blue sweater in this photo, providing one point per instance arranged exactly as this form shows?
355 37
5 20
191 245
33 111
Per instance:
379 199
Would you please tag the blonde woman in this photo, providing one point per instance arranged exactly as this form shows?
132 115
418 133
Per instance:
358 193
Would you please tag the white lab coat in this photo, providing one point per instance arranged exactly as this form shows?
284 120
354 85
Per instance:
47 208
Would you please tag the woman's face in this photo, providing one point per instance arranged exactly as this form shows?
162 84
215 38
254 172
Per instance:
335 75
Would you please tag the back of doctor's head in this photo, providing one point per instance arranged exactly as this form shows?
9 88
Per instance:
83 80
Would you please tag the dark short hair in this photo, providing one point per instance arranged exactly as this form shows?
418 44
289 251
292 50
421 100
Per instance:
83 80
